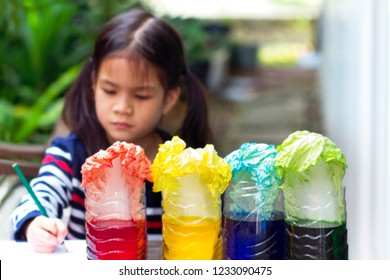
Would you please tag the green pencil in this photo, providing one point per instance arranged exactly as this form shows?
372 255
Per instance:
33 195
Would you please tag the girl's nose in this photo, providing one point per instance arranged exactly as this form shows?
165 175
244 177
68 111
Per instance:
123 105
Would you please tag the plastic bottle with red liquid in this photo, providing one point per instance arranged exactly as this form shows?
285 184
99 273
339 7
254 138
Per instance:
115 203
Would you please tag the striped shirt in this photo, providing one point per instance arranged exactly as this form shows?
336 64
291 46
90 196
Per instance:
58 187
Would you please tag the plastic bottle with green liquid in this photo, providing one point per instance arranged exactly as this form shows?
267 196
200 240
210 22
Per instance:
312 169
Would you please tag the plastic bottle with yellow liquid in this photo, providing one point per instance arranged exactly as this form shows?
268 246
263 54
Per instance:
191 182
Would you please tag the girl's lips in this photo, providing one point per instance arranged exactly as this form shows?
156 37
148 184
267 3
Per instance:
121 125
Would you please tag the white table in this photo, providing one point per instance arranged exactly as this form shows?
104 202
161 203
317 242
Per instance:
19 261
76 250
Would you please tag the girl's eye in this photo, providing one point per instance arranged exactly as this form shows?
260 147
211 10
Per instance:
109 91
142 97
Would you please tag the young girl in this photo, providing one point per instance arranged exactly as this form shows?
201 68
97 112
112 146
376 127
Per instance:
132 80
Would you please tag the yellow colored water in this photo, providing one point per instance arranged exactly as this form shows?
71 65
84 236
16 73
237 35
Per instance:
193 238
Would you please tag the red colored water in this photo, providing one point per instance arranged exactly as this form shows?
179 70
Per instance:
116 240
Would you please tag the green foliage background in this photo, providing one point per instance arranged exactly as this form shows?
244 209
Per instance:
43 44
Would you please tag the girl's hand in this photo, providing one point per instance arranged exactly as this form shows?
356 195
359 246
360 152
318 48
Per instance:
45 234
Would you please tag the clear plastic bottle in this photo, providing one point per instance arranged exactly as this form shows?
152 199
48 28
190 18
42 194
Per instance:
253 218
316 219
191 222
115 203
249 233
312 169
191 182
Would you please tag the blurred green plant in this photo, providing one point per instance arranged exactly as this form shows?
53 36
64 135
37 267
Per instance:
42 46
45 111
194 37
201 37
40 42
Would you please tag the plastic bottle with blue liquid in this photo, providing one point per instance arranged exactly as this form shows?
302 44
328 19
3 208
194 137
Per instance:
253 216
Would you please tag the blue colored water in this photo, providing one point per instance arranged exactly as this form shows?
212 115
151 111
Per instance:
253 240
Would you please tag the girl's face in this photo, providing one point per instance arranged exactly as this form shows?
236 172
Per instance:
128 106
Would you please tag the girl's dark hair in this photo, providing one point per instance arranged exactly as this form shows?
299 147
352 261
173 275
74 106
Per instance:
143 38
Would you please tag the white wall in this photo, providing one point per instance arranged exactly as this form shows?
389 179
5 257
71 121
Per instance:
356 103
